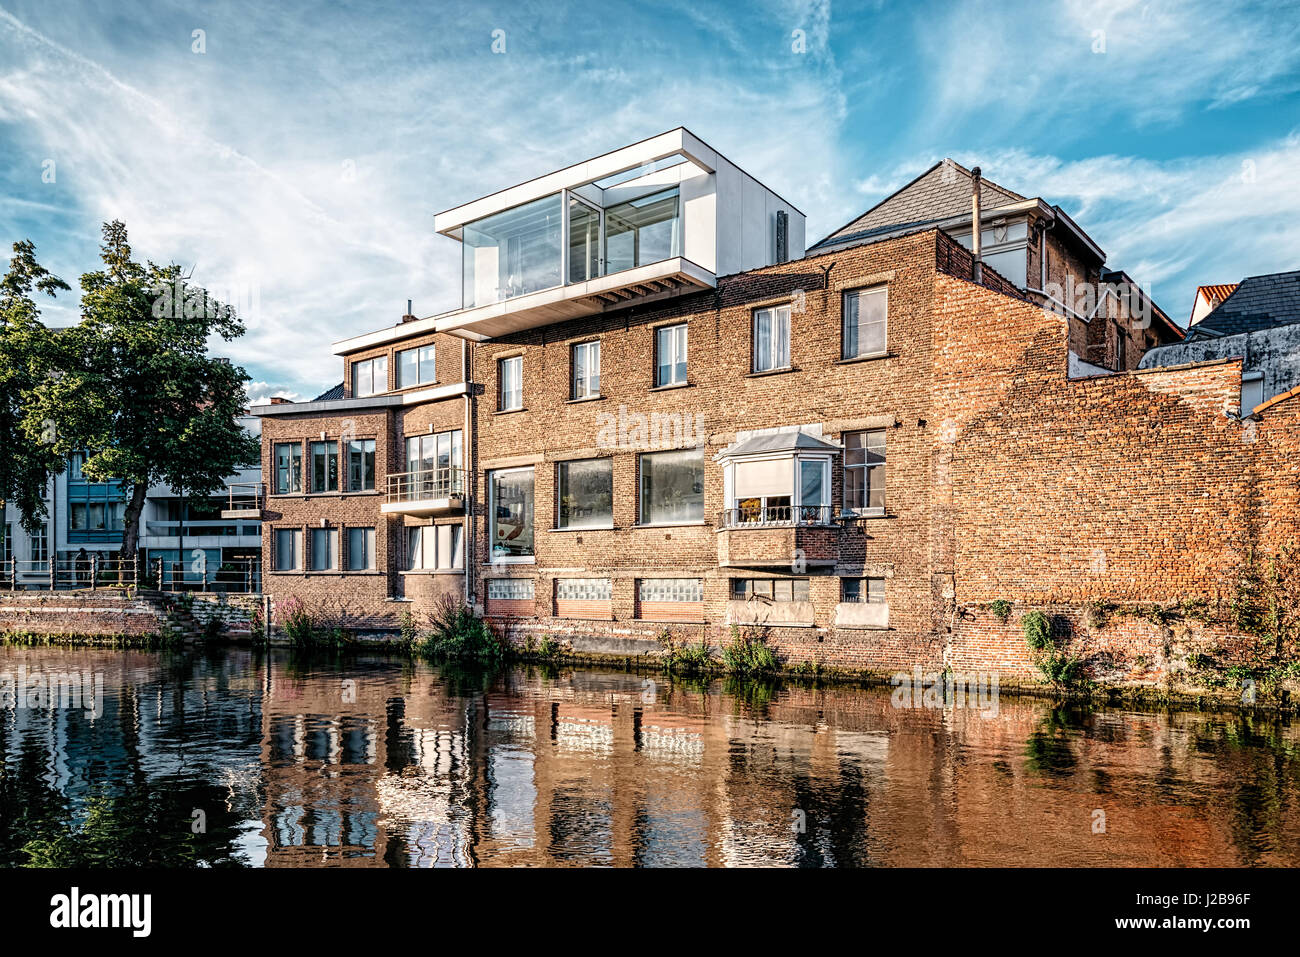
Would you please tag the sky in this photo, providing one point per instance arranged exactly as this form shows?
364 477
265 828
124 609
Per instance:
294 155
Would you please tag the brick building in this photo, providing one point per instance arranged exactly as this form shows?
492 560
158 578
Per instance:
657 411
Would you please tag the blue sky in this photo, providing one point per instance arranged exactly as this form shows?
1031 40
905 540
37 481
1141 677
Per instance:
296 163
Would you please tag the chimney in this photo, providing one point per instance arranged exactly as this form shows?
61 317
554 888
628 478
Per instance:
408 317
976 230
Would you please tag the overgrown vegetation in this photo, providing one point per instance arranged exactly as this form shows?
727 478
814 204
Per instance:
748 653
456 632
1059 668
1001 608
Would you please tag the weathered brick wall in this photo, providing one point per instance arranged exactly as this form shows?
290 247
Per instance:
75 613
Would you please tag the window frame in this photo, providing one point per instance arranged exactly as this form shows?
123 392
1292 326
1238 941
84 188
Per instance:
370 547
295 536
334 457
684 360
373 453
845 355
493 558
584 389
866 468
863 585
501 383
371 362
799 588
776 311
641 499
561 475
419 364
332 535
294 467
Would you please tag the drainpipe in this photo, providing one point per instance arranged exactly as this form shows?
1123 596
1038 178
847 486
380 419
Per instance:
467 463
978 269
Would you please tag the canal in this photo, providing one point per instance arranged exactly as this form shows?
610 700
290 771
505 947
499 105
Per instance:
239 758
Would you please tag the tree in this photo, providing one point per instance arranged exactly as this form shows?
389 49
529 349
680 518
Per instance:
25 464
136 388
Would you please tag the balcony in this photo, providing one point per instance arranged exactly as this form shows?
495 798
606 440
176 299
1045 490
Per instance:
426 492
791 537
245 500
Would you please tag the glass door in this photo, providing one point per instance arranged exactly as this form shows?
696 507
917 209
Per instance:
584 240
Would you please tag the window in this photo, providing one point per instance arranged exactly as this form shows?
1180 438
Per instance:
361 549
510 589
288 468
436 460
510 505
670 589
416 367
583 589
642 231
584 241
324 549
430 547
324 467
772 589
361 464
370 377
288 549
586 494
672 486
75 462
863 590
40 547
510 379
865 315
513 252
586 371
772 339
670 355
95 516
864 470
1252 392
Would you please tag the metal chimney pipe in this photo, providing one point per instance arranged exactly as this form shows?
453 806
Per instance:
976 231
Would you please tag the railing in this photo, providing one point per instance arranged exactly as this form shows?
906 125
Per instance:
426 484
246 496
94 572
197 528
758 516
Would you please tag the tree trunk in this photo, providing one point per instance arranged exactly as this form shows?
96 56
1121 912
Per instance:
131 526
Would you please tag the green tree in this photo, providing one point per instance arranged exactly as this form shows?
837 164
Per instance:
25 465
137 389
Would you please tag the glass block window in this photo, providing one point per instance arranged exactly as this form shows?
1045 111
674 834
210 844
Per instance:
583 589
509 589
671 589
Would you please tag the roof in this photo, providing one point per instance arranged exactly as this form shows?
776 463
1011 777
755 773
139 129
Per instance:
788 441
329 395
1217 292
1258 302
939 193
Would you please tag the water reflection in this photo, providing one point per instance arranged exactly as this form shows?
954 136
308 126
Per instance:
234 758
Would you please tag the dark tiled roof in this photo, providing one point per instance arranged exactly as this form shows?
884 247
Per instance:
941 192
1258 302
331 394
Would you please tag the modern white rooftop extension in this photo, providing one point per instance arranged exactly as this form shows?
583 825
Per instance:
656 219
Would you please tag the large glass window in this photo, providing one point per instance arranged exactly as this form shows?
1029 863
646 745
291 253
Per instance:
771 338
288 549
288 467
672 486
324 467
865 322
512 253
586 371
510 507
361 549
864 470
361 465
324 549
430 547
584 241
370 377
416 367
586 493
642 231
435 458
510 380
670 355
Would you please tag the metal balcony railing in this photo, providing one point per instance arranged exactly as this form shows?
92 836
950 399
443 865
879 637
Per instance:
776 516
94 572
424 484
245 496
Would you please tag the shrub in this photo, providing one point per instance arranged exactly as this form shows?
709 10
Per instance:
689 659
1001 608
296 622
549 647
748 654
408 633
1038 631
457 632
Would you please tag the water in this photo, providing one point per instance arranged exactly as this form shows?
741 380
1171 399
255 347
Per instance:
235 759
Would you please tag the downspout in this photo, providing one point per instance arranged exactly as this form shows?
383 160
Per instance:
976 231
468 447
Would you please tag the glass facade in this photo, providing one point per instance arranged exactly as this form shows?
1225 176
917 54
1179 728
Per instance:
513 253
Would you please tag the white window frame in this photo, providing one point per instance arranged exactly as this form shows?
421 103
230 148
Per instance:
492 512
517 363
419 362
779 319
882 290
588 386
376 388
683 358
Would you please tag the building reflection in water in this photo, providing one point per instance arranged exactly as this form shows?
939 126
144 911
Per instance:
364 761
